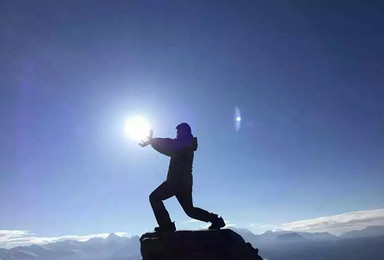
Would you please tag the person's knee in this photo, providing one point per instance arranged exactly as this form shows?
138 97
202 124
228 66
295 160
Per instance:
152 197
190 211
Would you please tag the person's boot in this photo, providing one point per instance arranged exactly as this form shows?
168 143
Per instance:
169 228
217 222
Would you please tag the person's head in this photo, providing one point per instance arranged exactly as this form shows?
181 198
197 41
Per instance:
183 130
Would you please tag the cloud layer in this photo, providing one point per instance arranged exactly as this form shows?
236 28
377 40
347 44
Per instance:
335 224
338 224
13 238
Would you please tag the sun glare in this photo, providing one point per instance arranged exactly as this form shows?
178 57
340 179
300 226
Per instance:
136 128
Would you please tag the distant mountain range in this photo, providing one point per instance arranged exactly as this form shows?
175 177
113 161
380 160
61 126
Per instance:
282 245
270 237
373 231
286 245
111 248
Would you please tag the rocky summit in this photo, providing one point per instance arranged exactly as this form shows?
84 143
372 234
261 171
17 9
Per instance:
222 244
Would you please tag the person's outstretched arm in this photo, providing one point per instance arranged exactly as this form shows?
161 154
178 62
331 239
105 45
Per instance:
162 145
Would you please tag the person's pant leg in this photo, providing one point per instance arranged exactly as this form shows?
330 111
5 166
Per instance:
185 200
156 198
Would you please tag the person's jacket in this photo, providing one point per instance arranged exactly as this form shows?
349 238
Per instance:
181 151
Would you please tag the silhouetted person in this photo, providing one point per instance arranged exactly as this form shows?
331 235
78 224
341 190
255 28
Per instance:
179 179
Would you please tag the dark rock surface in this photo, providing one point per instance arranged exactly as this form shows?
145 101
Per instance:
222 244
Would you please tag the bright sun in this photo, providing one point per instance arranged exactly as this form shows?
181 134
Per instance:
137 128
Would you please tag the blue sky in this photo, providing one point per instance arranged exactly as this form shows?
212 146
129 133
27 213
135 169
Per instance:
307 77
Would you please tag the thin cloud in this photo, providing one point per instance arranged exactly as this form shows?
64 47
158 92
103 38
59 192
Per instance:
260 228
338 224
13 238
190 221
6 234
199 225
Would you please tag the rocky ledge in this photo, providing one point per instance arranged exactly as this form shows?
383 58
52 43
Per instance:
197 245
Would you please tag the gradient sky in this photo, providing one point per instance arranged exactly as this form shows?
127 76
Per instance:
307 76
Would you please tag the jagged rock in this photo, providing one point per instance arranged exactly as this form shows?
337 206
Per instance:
197 245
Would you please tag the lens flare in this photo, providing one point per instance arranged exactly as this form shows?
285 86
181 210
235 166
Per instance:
136 128
237 118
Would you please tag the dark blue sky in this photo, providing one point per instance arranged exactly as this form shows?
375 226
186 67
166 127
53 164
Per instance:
307 76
